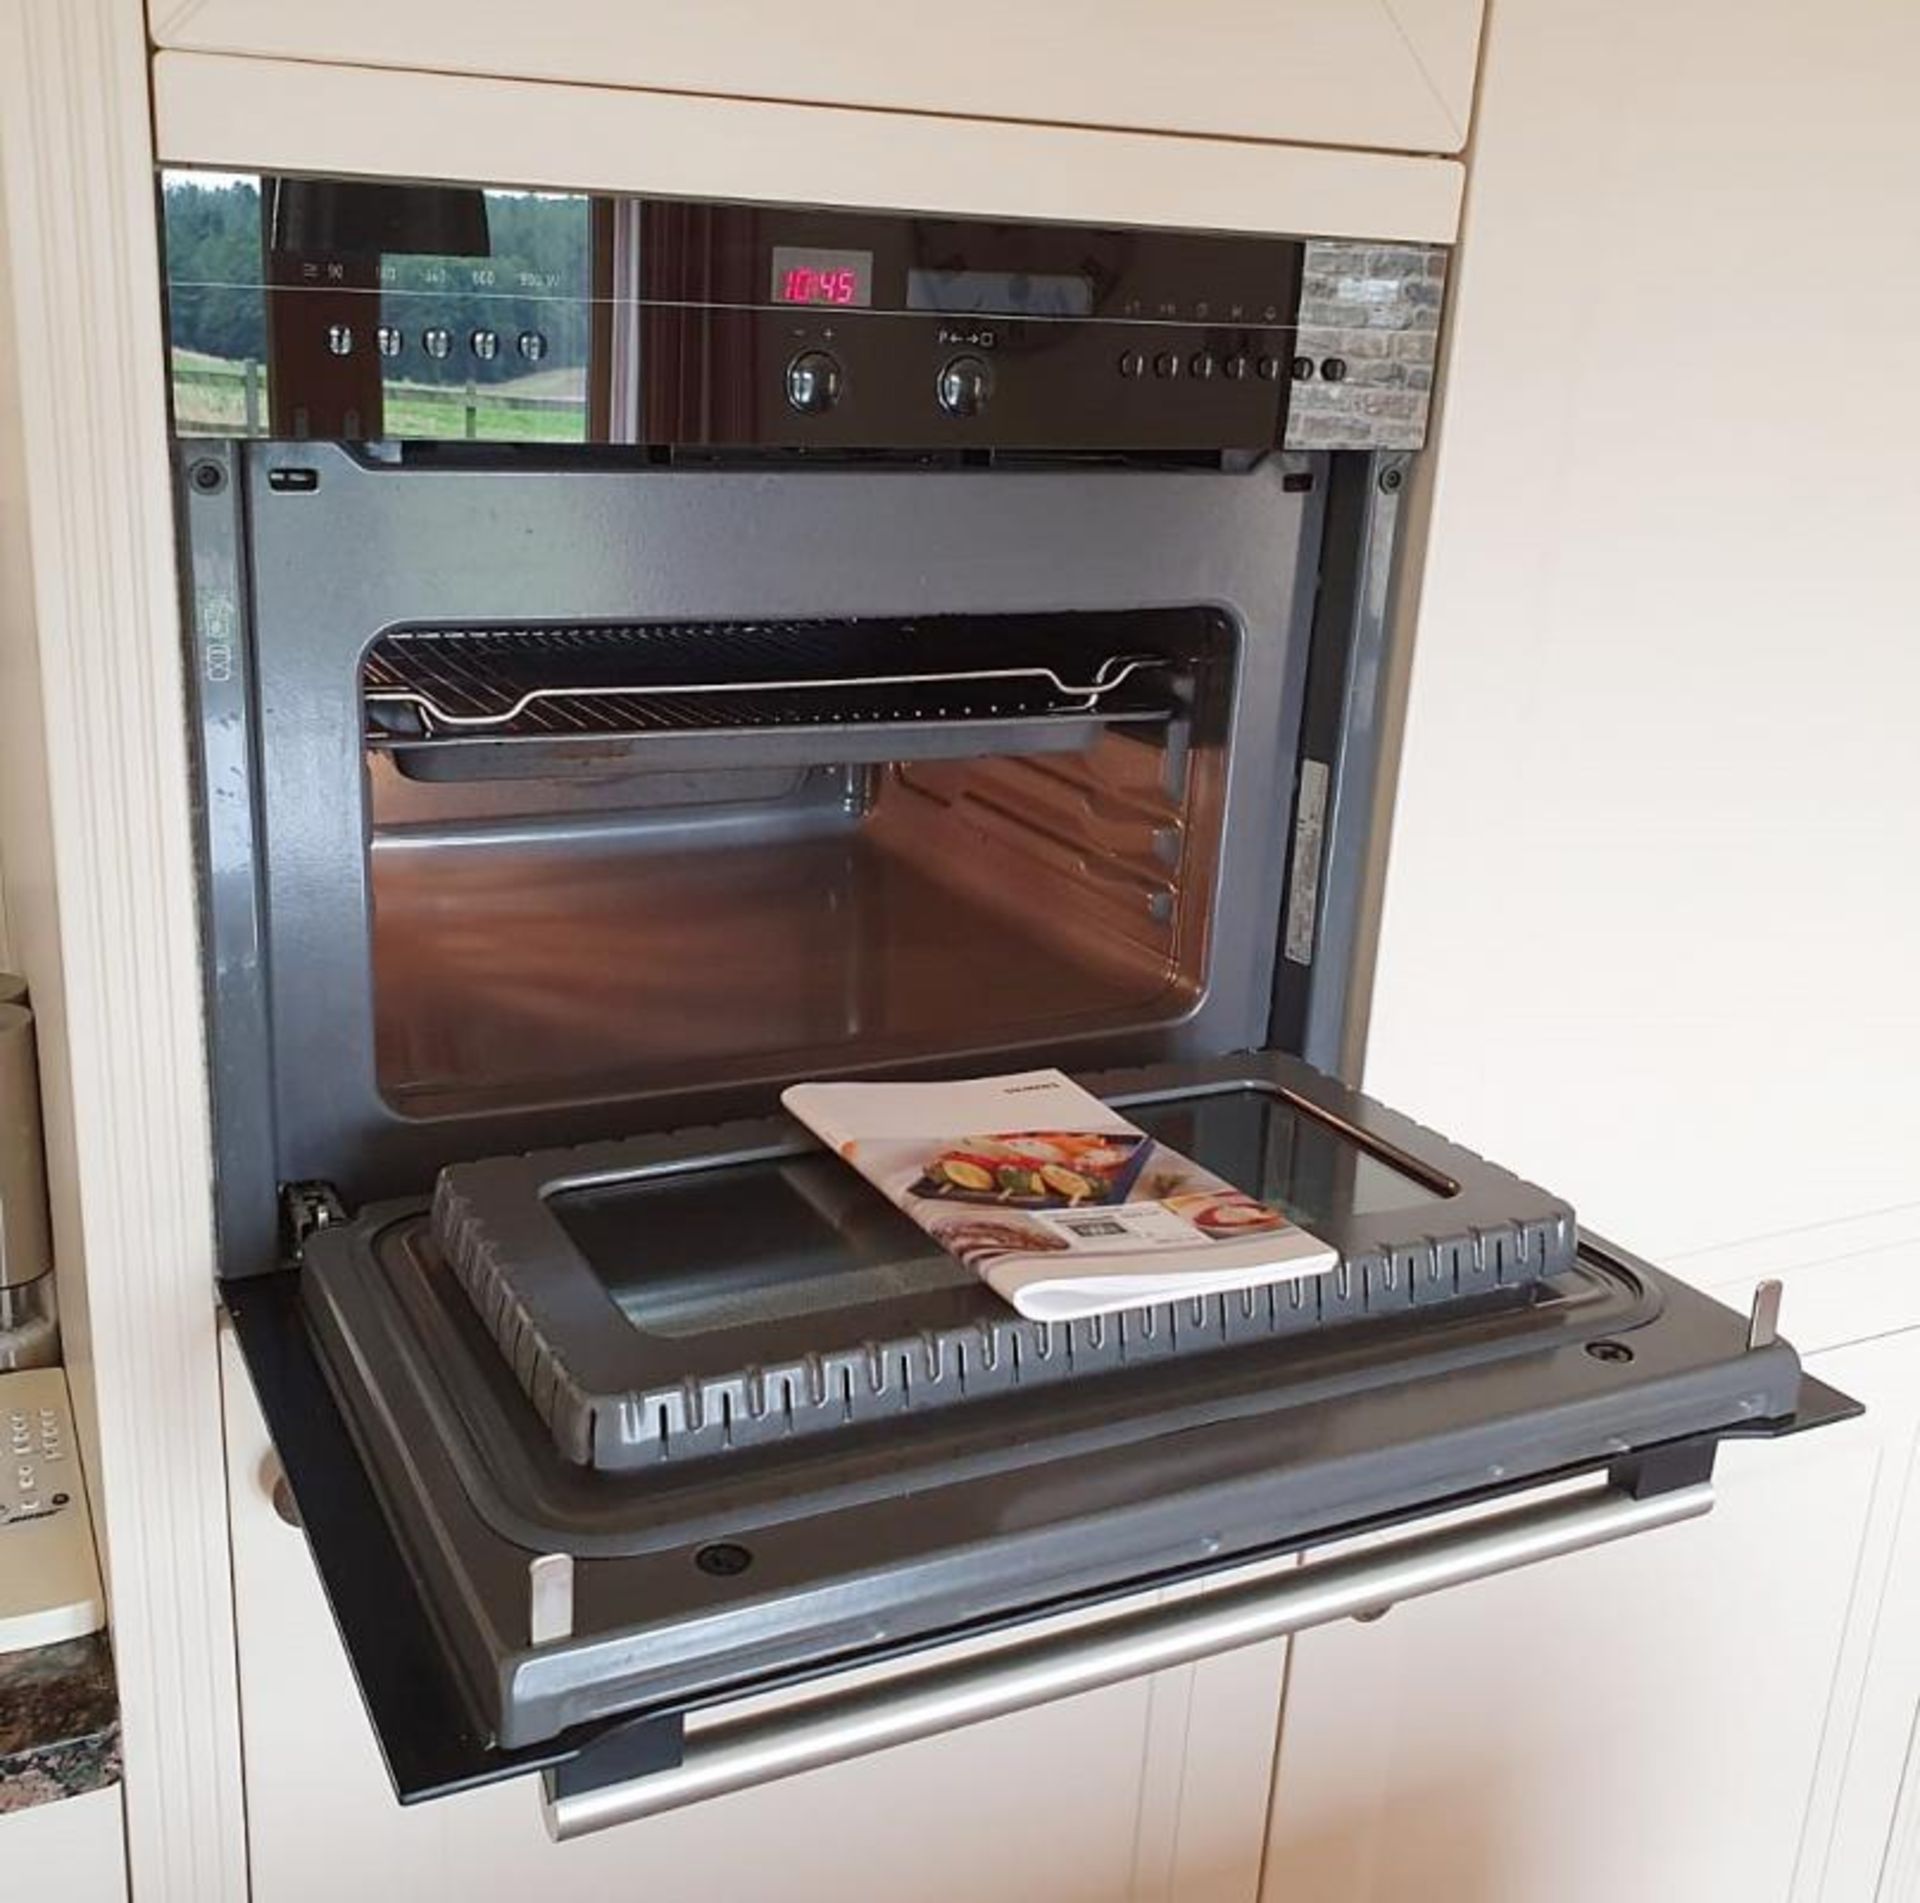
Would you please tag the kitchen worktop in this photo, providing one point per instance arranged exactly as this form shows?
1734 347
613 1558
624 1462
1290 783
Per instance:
59 1722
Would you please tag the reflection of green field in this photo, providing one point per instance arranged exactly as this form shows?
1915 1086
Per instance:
444 413
210 395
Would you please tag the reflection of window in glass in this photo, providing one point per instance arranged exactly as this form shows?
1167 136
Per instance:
216 307
492 348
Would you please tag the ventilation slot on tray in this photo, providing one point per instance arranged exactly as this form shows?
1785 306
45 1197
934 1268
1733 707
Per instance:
456 703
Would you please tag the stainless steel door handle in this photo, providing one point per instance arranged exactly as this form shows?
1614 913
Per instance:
733 1755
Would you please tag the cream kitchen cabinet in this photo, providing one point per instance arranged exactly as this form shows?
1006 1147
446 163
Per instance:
71 1850
1154 1790
1666 686
1394 74
254 114
1718 1714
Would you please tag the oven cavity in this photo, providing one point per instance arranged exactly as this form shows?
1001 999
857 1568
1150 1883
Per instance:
618 858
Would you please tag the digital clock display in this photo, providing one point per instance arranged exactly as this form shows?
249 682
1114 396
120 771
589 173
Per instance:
802 275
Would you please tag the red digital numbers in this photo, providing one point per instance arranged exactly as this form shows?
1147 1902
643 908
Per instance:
804 285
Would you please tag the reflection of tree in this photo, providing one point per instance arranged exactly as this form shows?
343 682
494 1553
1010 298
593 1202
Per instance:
213 240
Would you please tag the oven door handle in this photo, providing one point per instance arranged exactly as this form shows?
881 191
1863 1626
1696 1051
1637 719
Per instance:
736 1754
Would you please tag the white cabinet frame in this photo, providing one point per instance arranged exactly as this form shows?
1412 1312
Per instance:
1388 74
102 873
295 116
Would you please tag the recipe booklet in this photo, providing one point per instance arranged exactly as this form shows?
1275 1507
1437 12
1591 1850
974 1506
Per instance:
1060 1204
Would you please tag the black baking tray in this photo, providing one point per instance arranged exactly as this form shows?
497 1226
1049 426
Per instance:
675 1297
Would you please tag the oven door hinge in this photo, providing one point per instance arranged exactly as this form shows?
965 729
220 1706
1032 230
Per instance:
304 1208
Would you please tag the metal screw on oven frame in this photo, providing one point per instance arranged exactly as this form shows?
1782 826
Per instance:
1609 1351
724 1559
208 478
1391 479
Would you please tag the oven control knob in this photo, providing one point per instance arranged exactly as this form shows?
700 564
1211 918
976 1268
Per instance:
813 382
964 385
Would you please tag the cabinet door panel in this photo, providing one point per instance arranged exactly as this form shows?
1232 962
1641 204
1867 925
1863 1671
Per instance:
1390 73
73 1849
1151 1790
1716 1711
283 115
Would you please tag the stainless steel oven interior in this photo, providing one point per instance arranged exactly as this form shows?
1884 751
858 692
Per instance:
831 644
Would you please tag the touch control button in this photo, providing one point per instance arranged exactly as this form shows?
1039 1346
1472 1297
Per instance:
1166 364
1201 364
340 339
1236 367
813 382
437 342
1133 363
964 385
1269 368
1334 369
1303 370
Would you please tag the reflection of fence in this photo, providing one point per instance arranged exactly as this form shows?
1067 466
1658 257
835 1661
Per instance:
220 394
229 397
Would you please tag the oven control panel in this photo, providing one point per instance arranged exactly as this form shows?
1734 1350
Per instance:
396 312
837 329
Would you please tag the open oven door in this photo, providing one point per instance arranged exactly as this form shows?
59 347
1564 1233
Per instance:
511 1607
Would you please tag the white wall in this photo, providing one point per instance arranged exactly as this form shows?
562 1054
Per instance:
1652 917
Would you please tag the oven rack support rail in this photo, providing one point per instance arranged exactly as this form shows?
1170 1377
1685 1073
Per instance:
942 686
1068 697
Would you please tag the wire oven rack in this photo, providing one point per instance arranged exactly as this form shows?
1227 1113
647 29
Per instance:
932 685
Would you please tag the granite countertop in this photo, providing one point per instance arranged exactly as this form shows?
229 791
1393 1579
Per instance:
59 1722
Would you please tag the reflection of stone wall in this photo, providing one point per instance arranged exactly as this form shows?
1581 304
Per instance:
1374 311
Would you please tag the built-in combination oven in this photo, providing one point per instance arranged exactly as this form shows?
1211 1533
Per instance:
647 653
